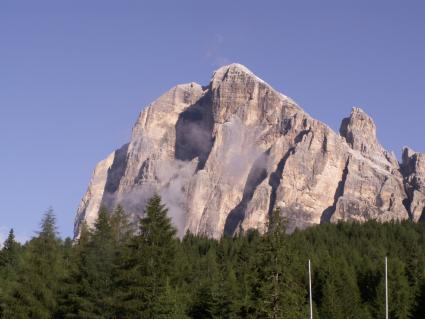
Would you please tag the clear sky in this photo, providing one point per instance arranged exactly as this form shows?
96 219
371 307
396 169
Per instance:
75 74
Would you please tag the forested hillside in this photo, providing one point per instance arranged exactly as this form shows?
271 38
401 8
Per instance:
120 269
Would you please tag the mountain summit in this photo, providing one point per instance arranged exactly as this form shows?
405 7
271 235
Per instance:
224 156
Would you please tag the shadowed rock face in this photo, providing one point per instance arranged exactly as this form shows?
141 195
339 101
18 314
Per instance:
224 156
413 168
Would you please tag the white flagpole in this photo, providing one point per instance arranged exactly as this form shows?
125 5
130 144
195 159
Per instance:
386 287
309 281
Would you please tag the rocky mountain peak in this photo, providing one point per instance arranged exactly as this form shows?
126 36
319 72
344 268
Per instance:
236 91
232 70
224 156
412 160
359 130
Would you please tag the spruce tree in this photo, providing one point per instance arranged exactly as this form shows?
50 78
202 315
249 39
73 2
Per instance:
122 227
278 293
73 296
341 295
401 297
35 294
10 251
10 257
10 263
228 291
91 282
206 300
419 308
145 281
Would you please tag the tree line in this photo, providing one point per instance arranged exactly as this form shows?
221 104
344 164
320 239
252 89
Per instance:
117 269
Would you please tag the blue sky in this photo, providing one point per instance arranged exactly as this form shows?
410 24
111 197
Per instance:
75 74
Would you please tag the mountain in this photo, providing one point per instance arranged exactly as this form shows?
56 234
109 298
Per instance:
225 155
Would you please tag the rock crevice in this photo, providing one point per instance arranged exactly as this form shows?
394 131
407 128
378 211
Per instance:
339 192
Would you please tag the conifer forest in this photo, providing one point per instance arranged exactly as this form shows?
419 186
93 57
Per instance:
121 268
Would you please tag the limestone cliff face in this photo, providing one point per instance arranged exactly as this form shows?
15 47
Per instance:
413 167
224 156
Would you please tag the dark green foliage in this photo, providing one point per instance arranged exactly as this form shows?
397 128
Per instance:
148 266
341 295
121 226
10 262
90 282
9 255
35 292
278 294
115 271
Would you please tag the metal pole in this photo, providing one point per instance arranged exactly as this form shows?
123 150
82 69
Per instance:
386 288
309 281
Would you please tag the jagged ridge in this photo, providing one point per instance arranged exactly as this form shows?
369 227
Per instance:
225 155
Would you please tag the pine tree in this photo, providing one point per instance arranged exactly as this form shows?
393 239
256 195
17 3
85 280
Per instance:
9 255
341 295
145 286
228 291
278 293
419 308
35 295
73 297
122 227
401 296
206 299
10 263
90 285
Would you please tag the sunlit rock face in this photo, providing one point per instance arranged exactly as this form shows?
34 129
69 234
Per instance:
224 156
